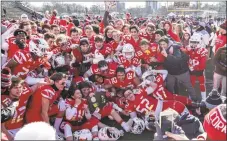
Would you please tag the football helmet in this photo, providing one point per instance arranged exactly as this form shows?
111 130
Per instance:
128 51
149 120
195 41
58 61
83 134
138 125
110 133
149 75
38 46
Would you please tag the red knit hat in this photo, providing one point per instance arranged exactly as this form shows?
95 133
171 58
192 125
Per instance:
224 25
215 123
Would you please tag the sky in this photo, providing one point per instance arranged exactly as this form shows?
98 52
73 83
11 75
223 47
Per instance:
88 4
127 4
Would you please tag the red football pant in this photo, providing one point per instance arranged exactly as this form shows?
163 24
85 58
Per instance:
169 96
175 105
106 110
87 125
201 82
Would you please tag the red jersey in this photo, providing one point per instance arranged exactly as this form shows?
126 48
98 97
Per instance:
112 67
142 103
128 63
128 39
67 48
17 121
105 50
35 107
160 92
153 51
25 62
220 41
6 101
128 82
114 45
54 20
80 110
150 38
197 59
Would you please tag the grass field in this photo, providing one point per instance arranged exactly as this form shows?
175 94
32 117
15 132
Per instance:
147 135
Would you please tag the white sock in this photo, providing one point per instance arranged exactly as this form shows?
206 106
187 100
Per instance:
125 126
203 95
57 124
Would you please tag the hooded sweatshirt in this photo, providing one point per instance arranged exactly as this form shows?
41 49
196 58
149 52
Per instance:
174 36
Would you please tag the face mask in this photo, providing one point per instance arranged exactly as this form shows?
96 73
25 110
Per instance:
20 44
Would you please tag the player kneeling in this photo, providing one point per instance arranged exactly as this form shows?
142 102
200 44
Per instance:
78 117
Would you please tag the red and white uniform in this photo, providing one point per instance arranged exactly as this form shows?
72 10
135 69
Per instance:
25 62
197 63
34 111
153 51
54 20
112 67
162 93
130 40
128 82
105 50
58 49
144 104
197 59
78 120
17 121
135 61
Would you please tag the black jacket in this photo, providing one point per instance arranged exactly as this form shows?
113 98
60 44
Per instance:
177 63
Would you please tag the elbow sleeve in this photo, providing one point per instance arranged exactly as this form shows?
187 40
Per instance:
32 81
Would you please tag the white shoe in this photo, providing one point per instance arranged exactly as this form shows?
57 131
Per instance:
127 125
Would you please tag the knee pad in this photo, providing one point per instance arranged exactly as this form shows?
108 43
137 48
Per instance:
95 129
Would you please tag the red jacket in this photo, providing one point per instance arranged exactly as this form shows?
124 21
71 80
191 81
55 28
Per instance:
220 41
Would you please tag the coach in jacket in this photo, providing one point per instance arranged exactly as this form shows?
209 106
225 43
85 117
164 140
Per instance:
176 63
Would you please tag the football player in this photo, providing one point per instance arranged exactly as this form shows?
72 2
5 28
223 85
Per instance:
197 62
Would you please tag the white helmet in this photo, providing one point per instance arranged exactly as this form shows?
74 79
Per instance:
195 41
38 46
83 134
138 126
110 133
128 51
149 75
58 61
